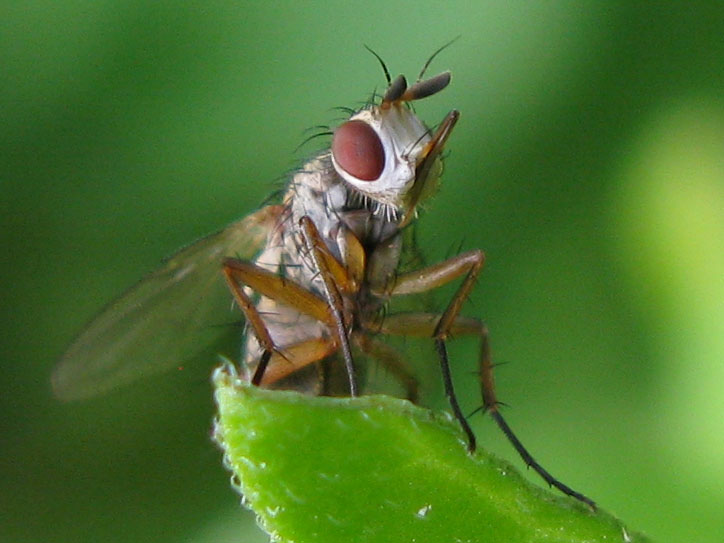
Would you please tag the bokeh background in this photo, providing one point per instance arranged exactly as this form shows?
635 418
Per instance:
588 163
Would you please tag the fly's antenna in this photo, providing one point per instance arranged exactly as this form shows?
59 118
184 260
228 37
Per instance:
429 60
384 66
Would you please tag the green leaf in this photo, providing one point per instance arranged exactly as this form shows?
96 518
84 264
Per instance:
376 468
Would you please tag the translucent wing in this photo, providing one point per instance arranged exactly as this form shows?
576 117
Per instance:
166 318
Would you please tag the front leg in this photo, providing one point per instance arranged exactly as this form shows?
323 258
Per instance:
329 267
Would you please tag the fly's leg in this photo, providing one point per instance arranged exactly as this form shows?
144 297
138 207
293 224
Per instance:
490 404
239 273
333 277
392 360
422 324
434 276
296 357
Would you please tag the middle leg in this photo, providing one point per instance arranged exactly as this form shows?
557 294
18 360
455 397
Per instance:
468 264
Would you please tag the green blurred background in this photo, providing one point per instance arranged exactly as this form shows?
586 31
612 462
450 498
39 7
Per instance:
588 163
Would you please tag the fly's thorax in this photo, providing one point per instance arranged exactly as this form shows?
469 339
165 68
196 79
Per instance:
318 192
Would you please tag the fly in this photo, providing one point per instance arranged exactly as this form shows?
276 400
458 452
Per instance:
311 276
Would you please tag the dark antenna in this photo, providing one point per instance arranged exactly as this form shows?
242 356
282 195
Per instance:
382 62
429 60
396 89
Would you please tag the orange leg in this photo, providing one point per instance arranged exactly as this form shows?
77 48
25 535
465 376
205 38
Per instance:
425 324
266 283
329 311
391 359
295 357
333 275
434 276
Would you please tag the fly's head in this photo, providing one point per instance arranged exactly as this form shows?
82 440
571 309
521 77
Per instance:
387 154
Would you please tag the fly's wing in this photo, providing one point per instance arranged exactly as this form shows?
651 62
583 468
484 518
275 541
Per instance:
166 318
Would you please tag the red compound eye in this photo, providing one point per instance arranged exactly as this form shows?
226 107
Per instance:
358 150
